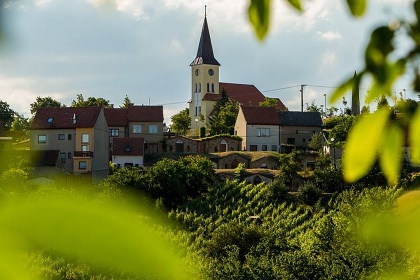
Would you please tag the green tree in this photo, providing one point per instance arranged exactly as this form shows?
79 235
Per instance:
268 102
316 142
6 115
127 102
224 115
20 127
91 101
314 108
181 122
290 165
44 102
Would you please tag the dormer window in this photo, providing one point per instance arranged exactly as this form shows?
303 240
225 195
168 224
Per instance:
50 120
127 149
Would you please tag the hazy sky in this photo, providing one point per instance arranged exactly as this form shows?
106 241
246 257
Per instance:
143 48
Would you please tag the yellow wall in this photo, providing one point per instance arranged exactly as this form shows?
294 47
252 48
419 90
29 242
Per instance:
78 140
206 106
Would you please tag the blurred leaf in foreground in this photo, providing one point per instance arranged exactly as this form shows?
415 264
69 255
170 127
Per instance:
101 233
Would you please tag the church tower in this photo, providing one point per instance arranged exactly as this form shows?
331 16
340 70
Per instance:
204 81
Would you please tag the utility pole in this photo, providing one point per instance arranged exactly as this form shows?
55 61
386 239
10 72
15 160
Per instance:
301 95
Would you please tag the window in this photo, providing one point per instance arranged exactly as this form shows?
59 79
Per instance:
114 132
291 141
85 138
69 155
69 137
136 128
297 131
263 132
274 148
153 129
264 147
127 149
85 148
82 164
61 137
208 87
50 120
63 157
253 148
42 139
212 87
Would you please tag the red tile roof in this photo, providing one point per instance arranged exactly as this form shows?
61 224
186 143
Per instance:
261 115
120 145
145 114
118 117
62 117
246 95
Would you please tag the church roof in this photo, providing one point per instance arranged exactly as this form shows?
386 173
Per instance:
122 116
205 50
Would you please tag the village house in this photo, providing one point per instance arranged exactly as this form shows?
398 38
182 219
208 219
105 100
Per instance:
144 123
80 134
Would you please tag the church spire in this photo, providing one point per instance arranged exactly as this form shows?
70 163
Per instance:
205 50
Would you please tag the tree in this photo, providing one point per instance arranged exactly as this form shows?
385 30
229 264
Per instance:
289 165
44 102
91 101
181 122
20 127
6 115
316 142
314 108
268 102
224 115
127 103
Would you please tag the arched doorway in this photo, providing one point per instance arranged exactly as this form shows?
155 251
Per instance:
179 146
223 146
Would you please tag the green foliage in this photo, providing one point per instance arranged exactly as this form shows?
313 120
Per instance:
224 115
268 102
181 122
20 127
316 142
6 115
127 102
289 165
44 102
240 172
98 233
91 101
309 193
343 125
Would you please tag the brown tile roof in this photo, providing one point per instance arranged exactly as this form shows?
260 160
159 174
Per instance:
136 146
261 115
246 95
62 117
145 114
118 117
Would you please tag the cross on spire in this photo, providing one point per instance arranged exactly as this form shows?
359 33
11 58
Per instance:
205 10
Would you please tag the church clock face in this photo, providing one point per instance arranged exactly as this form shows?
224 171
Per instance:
197 72
211 72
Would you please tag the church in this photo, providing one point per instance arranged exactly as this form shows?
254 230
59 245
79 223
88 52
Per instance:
206 87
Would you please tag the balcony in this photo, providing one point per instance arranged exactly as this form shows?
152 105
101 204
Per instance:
82 154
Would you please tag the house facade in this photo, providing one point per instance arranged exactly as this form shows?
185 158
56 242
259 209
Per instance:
144 123
80 134
259 128
297 128
128 152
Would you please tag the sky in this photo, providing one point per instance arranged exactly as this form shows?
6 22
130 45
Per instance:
143 48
